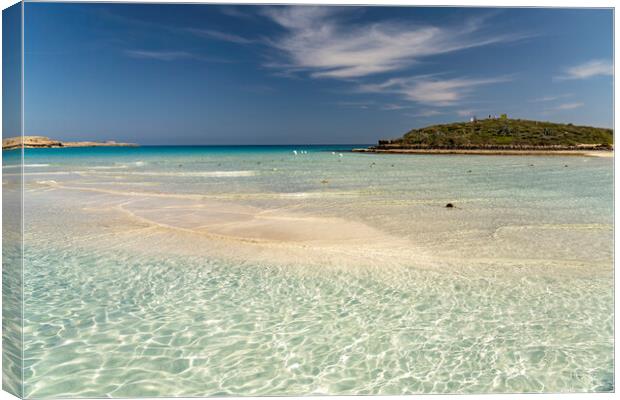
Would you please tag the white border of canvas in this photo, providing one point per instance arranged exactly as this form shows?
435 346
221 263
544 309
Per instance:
471 3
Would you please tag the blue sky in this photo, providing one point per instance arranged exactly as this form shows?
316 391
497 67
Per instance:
210 74
11 71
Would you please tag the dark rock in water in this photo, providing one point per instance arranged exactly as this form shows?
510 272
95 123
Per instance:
531 165
469 171
324 181
449 205
566 165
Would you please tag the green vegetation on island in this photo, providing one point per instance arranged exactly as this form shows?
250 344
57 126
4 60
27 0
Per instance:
503 134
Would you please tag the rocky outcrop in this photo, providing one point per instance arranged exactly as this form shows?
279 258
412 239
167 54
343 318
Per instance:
45 142
29 141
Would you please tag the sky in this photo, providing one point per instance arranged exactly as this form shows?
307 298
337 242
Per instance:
159 74
11 71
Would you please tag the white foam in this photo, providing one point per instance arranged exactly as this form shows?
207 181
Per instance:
49 182
109 167
9 166
51 173
316 194
203 174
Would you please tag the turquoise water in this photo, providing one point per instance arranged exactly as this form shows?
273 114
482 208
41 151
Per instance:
176 271
12 283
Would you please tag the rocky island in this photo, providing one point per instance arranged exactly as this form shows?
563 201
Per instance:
501 135
45 142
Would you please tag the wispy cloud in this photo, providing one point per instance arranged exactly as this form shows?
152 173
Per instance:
317 40
355 104
223 36
393 107
171 55
160 55
545 99
431 91
588 70
235 12
424 114
562 107
466 113
567 106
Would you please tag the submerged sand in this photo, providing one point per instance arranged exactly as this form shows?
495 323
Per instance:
194 225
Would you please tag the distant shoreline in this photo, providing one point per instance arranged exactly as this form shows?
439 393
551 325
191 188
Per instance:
494 152
43 142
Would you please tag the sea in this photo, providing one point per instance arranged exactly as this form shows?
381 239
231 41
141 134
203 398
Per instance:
299 270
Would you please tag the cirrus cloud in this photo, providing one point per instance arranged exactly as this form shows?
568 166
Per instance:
429 90
318 41
466 113
424 114
159 55
588 70
562 107
568 106
545 99
171 55
223 36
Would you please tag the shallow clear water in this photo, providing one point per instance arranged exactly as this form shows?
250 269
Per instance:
138 283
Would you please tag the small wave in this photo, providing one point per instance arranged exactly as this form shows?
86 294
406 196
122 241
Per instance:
114 183
204 174
9 166
229 173
316 194
46 173
108 167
